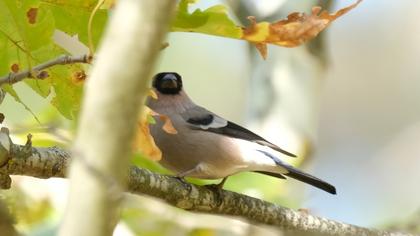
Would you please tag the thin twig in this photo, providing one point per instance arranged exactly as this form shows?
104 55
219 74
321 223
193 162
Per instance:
13 78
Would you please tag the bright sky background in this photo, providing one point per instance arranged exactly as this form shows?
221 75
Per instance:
369 122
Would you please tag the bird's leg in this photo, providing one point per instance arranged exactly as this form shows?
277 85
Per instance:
184 182
218 186
194 171
181 176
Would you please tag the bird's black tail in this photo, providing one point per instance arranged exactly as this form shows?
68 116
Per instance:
299 175
304 177
310 179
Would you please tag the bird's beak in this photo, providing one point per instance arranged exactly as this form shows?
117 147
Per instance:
169 84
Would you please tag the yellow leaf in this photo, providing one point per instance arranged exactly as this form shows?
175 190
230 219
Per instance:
152 94
143 141
297 29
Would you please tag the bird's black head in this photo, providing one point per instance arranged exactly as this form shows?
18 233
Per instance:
167 83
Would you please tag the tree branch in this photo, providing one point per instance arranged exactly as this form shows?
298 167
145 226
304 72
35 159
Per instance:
127 54
36 71
53 162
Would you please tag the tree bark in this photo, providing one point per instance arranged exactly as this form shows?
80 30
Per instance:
53 162
114 94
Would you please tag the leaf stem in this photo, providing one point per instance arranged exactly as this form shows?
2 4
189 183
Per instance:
90 38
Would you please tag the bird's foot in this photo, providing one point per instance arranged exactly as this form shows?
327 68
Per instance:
218 190
214 187
217 187
186 185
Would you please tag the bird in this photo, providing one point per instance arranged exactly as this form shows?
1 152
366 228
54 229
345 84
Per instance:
207 146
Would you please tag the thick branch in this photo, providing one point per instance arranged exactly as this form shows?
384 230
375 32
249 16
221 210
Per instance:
53 162
127 54
36 71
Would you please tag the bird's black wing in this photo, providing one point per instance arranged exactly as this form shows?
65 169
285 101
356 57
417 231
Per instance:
237 131
200 118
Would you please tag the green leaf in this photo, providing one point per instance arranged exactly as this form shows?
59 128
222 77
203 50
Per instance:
9 89
298 28
67 91
27 25
27 41
62 78
29 29
145 162
9 56
214 21
151 119
73 19
85 4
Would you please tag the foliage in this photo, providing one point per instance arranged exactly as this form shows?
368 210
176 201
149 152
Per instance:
298 28
213 21
27 39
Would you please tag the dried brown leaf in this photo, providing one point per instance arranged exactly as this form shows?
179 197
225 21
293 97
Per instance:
297 29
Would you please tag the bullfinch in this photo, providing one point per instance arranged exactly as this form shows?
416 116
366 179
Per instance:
208 146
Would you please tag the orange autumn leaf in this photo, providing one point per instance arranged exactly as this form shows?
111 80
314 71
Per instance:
297 29
144 141
168 127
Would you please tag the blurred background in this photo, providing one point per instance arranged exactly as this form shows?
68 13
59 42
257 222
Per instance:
348 103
